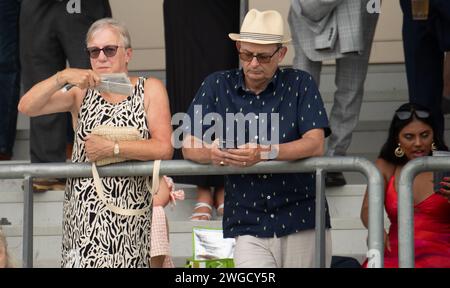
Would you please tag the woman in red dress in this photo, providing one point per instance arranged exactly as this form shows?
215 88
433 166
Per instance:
411 135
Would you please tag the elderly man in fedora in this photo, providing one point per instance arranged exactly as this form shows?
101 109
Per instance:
271 216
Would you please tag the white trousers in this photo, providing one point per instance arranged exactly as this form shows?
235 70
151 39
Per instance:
292 251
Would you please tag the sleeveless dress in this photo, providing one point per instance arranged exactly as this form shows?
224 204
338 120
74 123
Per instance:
94 236
431 230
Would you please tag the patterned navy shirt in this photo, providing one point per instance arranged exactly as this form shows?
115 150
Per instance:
268 204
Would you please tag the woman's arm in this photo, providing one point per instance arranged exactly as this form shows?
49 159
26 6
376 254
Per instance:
387 170
46 97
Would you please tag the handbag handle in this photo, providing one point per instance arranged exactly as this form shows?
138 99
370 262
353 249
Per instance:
153 188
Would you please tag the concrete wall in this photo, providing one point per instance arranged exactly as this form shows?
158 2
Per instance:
145 21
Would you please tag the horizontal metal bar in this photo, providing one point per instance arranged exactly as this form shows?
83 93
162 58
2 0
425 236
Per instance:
184 168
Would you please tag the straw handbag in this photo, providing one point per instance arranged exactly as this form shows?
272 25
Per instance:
122 134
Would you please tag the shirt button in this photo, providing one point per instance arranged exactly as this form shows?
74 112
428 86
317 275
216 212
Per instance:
265 176
268 197
257 97
272 216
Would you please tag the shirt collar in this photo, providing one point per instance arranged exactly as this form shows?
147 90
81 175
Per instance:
270 87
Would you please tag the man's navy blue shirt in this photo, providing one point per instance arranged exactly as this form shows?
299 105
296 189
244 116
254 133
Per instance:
268 204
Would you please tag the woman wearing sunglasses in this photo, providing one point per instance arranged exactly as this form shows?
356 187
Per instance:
94 236
412 135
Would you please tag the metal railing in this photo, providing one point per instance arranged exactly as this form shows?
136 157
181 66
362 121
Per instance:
406 204
319 165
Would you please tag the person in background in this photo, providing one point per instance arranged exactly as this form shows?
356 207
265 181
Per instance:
425 43
52 34
93 234
9 75
160 246
271 216
340 30
412 135
196 45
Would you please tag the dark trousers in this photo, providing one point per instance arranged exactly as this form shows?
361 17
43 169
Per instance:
425 42
49 38
197 44
9 73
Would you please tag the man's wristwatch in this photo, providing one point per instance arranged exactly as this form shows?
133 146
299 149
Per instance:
116 150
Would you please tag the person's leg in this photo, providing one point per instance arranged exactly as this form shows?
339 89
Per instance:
253 252
300 60
424 62
9 75
298 250
219 198
41 57
351 72
446 88
203 207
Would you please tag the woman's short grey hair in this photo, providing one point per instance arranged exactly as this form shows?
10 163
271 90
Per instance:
110 23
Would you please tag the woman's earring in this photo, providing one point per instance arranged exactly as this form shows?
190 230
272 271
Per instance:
433 147
399 151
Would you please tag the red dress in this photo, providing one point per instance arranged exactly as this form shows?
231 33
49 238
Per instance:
431 230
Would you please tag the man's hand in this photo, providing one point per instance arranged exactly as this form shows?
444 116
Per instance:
246 155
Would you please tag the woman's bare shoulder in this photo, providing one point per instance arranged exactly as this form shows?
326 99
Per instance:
386 168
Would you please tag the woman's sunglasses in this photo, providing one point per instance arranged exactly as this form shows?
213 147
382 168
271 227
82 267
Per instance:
405 115
109 51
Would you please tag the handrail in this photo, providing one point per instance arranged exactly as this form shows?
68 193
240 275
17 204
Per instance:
186 168
406 204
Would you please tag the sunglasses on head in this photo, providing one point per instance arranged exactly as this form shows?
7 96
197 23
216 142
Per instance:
262 58
405 115
109 51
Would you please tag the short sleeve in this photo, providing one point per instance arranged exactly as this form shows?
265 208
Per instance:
311 110
202 105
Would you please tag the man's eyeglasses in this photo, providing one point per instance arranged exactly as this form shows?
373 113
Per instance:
109 51
405 115
262 58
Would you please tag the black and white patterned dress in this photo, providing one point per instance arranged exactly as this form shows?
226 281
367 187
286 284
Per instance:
94 236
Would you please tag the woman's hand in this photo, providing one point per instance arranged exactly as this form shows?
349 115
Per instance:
445 191
82 78
97 147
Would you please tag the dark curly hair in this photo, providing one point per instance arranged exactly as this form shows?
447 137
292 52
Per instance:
397 124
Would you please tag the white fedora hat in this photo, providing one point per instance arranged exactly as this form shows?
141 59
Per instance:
264 27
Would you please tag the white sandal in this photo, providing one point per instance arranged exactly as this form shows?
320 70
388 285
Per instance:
201 214
220 213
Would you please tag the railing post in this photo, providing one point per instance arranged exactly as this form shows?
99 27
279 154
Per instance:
406 214
27 235
320 219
